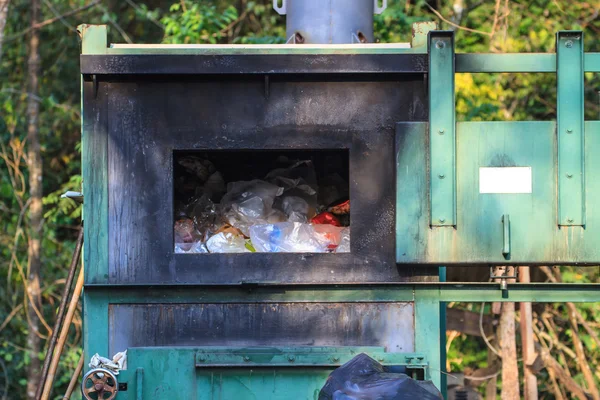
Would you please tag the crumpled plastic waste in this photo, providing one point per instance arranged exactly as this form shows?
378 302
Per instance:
197 166
344 246
185 234
227 242
118 362
326 218
332 188
276 214
299 182
364 378
329 234
247 203
196 248
295 208
294 237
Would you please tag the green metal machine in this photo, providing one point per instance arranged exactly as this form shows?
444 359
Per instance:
443 192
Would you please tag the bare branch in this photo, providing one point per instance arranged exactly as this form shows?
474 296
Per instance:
464 28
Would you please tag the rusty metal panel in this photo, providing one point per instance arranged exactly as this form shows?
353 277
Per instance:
388 325
149 120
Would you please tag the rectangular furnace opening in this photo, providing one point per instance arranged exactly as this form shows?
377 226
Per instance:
274 201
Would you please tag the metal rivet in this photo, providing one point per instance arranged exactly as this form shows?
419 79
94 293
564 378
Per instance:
442 176
442 220
440 44
569 176
569 220
380 359
441 131
569 43
246 358
335 359
569 130
291 358
201 358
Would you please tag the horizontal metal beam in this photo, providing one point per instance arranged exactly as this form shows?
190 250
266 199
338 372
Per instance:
253 64
295 63
299 357
517 62
360 293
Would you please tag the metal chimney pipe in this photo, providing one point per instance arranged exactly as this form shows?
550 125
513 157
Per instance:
329 21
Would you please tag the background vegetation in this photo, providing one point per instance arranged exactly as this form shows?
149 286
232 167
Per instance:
40 138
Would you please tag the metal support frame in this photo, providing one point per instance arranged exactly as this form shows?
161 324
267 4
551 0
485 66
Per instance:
442 137
429 298
570 128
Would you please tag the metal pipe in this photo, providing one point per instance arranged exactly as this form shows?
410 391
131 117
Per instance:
61 312
63 336
329 21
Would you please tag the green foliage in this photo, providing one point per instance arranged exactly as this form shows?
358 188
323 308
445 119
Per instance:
194 22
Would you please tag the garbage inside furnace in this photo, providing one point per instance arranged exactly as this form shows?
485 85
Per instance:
261 201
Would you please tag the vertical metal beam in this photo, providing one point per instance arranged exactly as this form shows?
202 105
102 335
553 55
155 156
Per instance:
443 377
94 38
428 335
139 384
570 128
442 138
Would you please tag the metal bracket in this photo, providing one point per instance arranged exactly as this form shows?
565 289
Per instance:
570 128
76 196
442 127
280 10
504 279
506 236
327 357
379 10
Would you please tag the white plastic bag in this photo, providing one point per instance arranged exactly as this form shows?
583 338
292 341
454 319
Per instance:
226 242
288 237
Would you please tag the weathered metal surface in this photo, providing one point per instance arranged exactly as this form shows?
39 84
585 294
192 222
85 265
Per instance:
570 129
200 64
170 373
94 170
442 138
478 237
388 325
332 21
94 39
307 356
420 33
144 130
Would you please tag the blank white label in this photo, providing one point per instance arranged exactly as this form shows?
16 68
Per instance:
505 180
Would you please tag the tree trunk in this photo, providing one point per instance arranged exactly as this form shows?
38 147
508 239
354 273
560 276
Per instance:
529 356
34 165
3 17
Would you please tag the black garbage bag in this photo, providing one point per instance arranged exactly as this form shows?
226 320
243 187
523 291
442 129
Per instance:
363 378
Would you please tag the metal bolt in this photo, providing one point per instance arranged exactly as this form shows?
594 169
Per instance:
291 358
335 359
569 43
442 176
569 176
442 220
441 131
570 220
201 358
380 359
246 358
440 44
569 130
